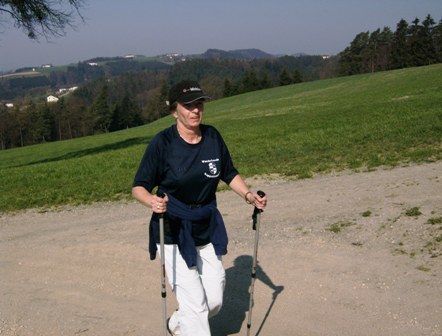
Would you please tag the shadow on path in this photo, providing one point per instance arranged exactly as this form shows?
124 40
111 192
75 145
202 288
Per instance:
236 299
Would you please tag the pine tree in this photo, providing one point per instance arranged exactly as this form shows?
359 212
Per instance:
265 82
400 57
126 114
385 47
297 77
284 78
353 60
100 111
373 50
250 81
427 41
229 89
437 41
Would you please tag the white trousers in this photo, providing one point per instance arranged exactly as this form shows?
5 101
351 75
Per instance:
198 290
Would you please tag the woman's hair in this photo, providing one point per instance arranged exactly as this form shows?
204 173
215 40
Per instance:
173 107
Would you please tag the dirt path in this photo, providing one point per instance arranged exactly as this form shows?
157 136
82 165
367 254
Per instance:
85 271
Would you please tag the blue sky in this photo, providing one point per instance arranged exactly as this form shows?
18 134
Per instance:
148 27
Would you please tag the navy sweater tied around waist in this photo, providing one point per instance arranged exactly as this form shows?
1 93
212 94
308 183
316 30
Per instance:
186 244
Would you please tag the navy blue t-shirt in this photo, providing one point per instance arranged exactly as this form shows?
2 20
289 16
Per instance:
189 172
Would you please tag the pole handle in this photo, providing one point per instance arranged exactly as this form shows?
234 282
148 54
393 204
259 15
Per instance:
162 195
257 211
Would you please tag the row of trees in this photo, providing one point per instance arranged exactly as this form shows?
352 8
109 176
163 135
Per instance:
416 44
252 82
100 106
39 123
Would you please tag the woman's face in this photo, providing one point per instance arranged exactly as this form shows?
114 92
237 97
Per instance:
189 115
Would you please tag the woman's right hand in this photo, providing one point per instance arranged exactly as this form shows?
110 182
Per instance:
158 204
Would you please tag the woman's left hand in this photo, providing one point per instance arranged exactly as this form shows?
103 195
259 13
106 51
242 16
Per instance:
258 201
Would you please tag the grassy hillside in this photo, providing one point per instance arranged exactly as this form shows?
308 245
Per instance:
358 122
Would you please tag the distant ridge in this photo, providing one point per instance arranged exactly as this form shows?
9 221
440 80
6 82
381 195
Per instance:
41 78
171 58
247 54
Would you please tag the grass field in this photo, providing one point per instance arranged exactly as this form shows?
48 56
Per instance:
358 122
21 74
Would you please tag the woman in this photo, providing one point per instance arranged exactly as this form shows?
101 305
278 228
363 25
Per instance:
185 162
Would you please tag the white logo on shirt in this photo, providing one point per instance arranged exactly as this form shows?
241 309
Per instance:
213 169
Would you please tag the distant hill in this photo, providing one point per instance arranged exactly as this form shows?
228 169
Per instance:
245 54
24 82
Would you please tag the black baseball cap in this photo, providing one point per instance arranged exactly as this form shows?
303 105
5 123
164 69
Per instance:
186 92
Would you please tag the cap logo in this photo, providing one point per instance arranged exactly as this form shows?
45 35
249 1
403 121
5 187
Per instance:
191 89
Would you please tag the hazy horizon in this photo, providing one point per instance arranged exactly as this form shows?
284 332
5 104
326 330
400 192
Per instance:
281 27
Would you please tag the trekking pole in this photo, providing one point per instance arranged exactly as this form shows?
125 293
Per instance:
163 270
256 223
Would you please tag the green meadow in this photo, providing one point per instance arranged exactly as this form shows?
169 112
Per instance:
359 123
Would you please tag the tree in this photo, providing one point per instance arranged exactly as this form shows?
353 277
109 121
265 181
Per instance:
164 96
284 78
400 56
416 47
40 124
42 17
79 119
126 114
384 51
156 106
250 81
265 81
437 38
229 88
4 127
100 111
297 77
353 59
427 36
421 45
373 49
378 50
